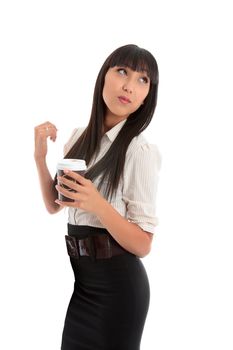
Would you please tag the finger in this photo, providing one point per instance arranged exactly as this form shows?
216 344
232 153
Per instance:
48 123
81 179
50 131
67 193
70 183
59 202
46 130
51 125
46 126
53 134
68 204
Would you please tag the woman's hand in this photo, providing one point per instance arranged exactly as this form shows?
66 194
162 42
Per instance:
86 197
42 132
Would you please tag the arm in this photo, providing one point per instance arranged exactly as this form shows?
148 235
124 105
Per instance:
140 181
129 235
49 193
135 232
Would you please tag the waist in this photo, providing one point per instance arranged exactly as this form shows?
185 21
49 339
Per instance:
95 242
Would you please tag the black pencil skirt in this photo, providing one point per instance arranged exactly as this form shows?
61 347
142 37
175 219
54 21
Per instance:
110 301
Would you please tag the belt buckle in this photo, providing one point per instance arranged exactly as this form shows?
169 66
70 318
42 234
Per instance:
71 245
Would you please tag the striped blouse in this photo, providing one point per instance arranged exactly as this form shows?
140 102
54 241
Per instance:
135 198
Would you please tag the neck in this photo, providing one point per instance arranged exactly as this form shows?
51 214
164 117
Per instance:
111 120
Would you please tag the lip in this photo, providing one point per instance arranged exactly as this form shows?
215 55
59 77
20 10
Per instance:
124 99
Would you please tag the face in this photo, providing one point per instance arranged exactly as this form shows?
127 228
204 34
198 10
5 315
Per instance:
124 90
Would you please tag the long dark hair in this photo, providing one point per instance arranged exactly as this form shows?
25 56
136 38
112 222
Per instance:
111 165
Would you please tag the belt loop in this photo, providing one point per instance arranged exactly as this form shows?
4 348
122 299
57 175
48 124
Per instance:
91 247
109 248
72 247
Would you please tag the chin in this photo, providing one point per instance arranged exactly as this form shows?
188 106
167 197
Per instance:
121 112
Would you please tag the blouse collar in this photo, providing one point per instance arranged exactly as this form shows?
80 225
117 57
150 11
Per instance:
113 132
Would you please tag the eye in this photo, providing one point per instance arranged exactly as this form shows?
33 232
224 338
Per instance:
145 80
121 71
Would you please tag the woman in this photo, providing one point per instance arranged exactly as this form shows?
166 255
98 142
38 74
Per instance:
112 218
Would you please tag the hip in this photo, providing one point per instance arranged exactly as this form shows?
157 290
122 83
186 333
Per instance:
122 268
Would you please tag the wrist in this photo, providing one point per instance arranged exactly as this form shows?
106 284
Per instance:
102 208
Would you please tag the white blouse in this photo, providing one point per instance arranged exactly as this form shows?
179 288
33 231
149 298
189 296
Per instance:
135 198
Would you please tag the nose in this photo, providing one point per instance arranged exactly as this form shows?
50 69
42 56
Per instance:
127 88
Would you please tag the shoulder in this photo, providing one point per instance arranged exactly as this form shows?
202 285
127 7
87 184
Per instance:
140 150
76 133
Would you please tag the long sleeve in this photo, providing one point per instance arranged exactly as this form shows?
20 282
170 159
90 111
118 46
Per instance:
141 176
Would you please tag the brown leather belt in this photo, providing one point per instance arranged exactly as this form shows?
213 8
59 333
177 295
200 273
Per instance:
97 247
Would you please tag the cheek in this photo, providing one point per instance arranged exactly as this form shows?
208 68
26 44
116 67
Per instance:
145 92
142 94
105 93
107 89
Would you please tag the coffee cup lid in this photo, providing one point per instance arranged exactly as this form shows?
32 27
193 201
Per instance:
72 164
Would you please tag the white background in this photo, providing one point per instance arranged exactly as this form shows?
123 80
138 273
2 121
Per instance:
51 52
